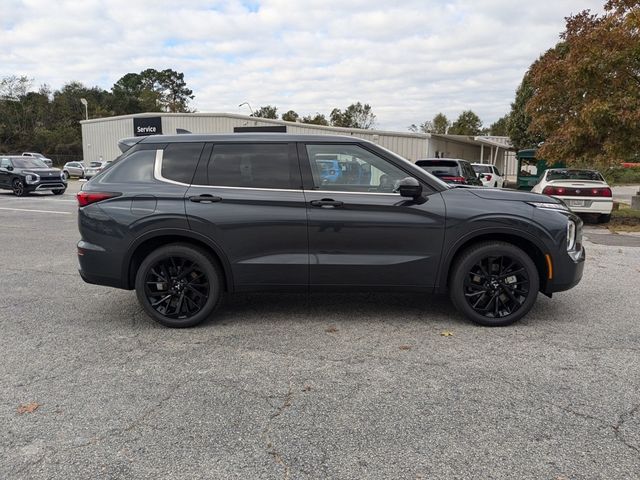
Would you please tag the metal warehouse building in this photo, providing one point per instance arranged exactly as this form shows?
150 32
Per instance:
100 136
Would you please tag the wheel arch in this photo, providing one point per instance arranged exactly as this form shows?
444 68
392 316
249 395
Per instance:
526 242
152 240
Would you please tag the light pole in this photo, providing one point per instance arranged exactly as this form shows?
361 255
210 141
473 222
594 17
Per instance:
84 102
247 104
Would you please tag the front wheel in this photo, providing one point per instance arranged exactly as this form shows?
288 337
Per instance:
59 191
66 175
18 188
494 283
179 285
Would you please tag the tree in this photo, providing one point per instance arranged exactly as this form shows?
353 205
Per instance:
151 91
426 127
317 119
468 123
290 116
586 90
355 115
499 128
440 125
175 95
268 111
519 123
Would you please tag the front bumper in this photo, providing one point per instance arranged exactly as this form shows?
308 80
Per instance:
567 271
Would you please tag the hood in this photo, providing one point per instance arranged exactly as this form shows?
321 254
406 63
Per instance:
511 195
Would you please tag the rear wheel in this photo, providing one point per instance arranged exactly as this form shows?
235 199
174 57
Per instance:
604 218
179 285
18 188
494 283
59 191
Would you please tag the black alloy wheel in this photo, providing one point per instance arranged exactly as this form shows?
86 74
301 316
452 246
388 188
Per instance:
18 187
178 285
494 284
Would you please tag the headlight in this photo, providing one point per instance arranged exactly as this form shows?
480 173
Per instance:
571 235
32 178
549 206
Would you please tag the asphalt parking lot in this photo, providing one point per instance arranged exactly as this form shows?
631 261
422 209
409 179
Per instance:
326 386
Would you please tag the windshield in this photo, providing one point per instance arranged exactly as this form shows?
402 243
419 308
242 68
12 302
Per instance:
28 162
482 168
574 175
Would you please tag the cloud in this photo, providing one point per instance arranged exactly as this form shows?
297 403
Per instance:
408 61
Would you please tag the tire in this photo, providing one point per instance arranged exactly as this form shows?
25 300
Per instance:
495 185
60 191
18 188
188 301
494 283
67 175
604 218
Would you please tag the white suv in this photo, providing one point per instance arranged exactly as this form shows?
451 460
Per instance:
489 175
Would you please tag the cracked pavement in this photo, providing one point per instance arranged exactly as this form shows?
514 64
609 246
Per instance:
267 389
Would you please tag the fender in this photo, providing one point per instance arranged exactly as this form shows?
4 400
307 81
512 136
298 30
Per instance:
449 255
177 232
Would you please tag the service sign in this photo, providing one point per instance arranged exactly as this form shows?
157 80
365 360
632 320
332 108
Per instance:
147 126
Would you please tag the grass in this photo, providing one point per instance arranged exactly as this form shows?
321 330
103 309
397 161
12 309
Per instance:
625 219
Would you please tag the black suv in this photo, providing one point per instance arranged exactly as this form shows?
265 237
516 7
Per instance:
24 175
184 219
451 170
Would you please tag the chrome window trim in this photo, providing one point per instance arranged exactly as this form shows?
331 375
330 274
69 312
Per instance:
157 173
354 193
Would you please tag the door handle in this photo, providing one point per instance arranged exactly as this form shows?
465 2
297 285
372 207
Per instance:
206 198
327 202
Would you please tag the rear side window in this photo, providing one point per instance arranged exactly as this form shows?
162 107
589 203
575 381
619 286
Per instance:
253 166
179 161
136 168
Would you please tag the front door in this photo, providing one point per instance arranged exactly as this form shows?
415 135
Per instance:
361 233
248 199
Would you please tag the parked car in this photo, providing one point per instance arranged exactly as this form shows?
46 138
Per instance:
185 219
451 170
23 175
46 160
584 191
489 175
94 168
73 169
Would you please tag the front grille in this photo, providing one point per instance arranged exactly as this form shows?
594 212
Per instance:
51 179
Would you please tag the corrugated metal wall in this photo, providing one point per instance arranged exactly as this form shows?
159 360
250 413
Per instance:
100 137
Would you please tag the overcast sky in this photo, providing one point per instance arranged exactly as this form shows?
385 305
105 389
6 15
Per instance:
409 59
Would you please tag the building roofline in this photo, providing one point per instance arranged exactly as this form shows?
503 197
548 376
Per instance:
343 130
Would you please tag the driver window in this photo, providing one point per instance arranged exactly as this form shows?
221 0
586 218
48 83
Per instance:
351 168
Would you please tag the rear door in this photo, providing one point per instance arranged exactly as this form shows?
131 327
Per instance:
5 174
361 233
247 198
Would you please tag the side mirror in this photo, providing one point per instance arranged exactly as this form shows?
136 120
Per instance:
409 187
10 168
